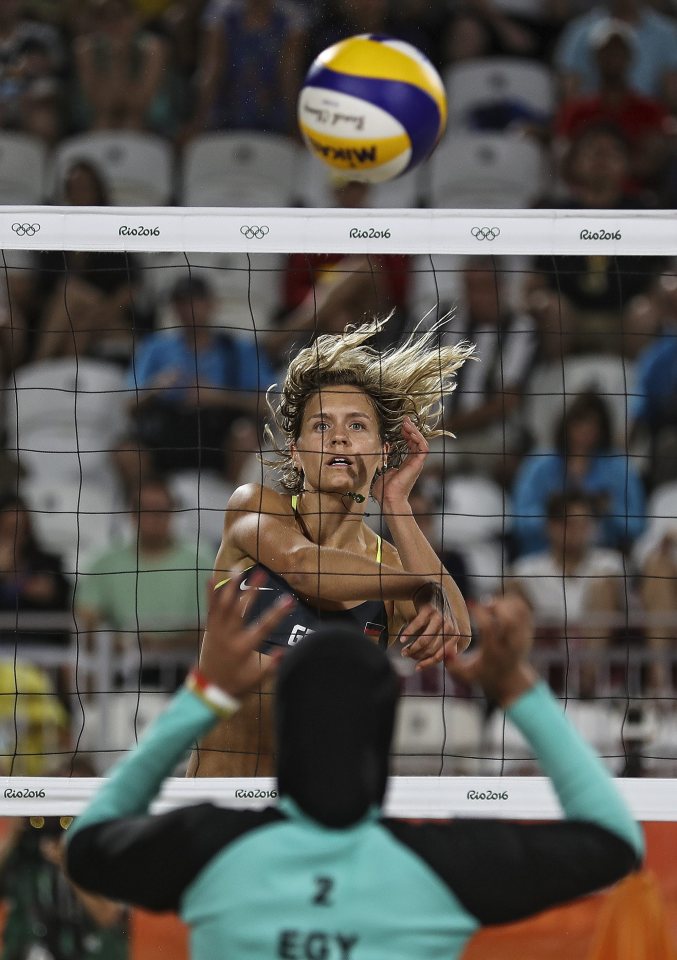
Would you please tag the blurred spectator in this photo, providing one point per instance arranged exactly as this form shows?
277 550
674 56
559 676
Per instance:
653 408
484 410
31 59
88 295
177 22
55 12
658 589
15 298
30 578
641 119
250 67
201 495
189 382
574 588
34 723
426 506
584 458
151 590
482 28
154 12
580 300
654 66
50 918
325 291
132 464
414 21
123 73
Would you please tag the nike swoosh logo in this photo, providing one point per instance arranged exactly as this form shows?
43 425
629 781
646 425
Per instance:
247 586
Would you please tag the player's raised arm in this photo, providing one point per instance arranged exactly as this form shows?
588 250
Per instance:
258 525
530 867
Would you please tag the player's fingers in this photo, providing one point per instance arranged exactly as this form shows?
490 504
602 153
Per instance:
429 639
223 597
485 622
412 629
435 658
262 627
417 636
465 668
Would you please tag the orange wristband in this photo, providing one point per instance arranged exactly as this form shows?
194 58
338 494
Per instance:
217 699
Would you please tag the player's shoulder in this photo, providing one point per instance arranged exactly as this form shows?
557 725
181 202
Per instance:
259 498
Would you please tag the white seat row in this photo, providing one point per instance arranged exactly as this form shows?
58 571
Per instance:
253 169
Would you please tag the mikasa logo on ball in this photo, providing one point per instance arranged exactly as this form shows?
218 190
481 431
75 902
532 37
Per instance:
347 156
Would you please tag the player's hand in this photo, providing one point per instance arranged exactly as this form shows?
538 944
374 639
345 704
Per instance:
500 665
229 657
394 486
433 635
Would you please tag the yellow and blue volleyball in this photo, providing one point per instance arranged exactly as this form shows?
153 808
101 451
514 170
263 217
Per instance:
372 107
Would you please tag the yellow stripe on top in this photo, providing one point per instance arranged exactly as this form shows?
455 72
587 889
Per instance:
363 57
222 583
379 542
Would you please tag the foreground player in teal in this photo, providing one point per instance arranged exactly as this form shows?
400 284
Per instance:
323 875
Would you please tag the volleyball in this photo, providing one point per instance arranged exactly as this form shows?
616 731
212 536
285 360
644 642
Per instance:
372 107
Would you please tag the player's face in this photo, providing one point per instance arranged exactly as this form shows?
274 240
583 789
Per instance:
339 448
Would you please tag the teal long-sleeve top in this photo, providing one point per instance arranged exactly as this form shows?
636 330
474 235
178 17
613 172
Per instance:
274 884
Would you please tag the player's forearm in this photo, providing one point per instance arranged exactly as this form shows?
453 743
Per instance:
584 788
136 780
418 556
332 575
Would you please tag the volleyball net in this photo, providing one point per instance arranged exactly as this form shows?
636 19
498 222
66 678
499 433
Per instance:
574 316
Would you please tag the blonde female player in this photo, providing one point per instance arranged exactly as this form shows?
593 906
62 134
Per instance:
354 422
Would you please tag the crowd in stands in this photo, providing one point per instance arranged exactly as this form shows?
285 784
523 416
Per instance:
562 482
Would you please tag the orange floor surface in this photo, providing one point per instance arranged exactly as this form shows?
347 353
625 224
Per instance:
562 934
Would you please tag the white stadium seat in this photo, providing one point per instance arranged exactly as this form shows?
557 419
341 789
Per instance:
661 515
138 167
246 287
482 170
490 80
429 735
41 401
239 170
597 722
22 168
73 520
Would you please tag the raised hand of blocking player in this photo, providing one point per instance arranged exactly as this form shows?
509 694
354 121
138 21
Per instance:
229 656
500 664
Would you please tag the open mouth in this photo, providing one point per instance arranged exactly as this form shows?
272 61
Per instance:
340 462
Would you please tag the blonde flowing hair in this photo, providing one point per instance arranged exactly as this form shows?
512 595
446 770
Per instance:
410 379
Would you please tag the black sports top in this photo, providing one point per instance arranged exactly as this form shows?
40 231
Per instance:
369 616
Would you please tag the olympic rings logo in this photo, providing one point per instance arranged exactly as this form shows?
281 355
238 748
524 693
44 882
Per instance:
25 229
485 233
254 233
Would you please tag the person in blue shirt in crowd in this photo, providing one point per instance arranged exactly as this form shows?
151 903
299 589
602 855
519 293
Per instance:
323 873
654 38
585 458
653 406
189 382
